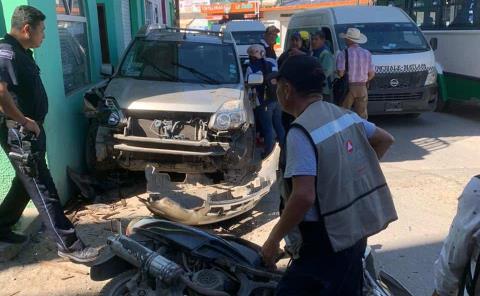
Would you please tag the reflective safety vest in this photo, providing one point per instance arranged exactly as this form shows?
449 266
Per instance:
353 197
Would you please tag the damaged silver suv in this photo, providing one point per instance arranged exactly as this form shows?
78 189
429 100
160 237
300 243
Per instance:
179 105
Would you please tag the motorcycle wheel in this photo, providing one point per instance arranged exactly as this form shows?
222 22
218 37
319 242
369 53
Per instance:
118 285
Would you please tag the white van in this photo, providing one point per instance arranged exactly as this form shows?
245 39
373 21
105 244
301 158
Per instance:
245 33
406 75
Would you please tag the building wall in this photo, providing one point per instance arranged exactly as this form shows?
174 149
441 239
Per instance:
66 124
116 40
2 23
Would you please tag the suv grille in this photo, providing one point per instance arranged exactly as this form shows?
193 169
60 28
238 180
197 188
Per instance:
180 125
398 80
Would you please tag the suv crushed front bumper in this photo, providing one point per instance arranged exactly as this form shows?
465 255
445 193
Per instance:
135 144
195 202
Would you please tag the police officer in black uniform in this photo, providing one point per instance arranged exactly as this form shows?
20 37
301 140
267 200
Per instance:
24 102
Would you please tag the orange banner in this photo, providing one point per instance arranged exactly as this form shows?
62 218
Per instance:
317 5
227 8
251 7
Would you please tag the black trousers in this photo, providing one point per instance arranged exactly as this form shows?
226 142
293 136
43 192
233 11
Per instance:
34 181
320 271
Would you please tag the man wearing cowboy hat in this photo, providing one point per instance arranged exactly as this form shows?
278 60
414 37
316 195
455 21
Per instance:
360 71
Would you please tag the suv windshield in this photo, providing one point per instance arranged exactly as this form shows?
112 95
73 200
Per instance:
247 37
388 37
192 62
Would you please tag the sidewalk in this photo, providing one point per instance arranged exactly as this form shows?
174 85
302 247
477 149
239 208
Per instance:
28 225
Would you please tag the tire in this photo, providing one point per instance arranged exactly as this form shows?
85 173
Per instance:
98 169
442 105
117 286
90 153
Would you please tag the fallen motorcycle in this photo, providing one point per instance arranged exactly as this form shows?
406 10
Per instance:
159 257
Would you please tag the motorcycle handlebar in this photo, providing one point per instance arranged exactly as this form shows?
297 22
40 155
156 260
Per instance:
161 267
144 258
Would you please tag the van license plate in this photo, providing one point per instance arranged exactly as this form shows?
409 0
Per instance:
393 106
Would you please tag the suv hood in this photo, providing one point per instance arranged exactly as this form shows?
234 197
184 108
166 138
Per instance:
134 94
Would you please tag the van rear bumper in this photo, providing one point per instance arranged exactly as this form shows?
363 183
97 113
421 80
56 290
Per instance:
402 101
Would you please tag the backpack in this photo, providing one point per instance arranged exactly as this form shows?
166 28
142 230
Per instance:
340 85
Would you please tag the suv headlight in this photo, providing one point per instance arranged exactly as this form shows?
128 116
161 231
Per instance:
231 115
113 116
113 119
431 77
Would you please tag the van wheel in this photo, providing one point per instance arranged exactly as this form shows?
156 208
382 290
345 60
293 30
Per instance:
90 153
442 105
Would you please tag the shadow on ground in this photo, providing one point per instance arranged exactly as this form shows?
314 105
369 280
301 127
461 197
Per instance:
418 137
406 264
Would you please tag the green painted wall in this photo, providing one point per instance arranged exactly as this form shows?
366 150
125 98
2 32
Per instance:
3 28
65 124
113 11
137 12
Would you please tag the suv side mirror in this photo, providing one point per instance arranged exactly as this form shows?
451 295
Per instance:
255 79
434 43
107 70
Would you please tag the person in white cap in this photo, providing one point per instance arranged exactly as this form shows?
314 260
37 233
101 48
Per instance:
360 71
268 112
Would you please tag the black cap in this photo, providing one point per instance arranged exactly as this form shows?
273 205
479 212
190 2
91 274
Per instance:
303 72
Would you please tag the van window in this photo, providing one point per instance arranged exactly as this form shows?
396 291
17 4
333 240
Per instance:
328 36
388 37
247 37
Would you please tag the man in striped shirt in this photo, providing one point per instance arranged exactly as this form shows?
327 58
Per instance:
360 71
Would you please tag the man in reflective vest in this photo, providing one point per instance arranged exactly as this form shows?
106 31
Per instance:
338 195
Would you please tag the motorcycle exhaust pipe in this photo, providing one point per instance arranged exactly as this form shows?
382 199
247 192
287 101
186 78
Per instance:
155 264
144 258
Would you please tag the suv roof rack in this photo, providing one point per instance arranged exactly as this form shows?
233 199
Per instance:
148 29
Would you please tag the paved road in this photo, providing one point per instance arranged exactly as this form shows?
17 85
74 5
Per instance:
433 158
